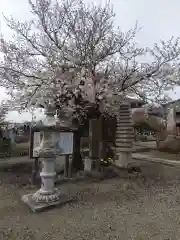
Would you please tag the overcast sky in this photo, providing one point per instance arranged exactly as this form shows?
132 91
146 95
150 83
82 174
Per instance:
159 19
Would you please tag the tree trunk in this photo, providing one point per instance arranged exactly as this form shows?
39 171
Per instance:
77 163
95 141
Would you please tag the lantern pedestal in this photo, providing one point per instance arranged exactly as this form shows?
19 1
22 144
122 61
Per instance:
37 206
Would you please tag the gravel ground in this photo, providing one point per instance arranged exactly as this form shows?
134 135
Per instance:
146 207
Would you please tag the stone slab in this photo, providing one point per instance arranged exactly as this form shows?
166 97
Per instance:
38 207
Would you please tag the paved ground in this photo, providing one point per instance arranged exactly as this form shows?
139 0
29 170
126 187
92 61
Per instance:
143 208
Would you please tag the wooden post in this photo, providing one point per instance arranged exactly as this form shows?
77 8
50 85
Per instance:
31 137
77 163
99 143
35 166
70 165
66 166
90 139
94 141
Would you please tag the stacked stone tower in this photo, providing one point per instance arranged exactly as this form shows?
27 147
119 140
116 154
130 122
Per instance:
124 135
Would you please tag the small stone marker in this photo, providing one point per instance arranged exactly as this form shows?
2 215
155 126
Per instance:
87 164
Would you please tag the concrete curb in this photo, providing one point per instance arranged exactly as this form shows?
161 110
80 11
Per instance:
143 157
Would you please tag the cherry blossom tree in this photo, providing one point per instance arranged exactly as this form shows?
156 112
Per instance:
76 54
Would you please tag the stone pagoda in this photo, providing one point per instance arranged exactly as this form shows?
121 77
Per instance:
124 132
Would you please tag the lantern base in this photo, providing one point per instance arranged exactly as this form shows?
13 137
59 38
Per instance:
43 197
124 159
37 206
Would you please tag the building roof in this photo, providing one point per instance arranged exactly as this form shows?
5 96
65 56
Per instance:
135 100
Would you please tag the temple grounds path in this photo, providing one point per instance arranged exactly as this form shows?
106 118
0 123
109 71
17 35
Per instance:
146 207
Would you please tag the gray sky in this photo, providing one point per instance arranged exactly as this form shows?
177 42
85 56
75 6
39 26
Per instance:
158 18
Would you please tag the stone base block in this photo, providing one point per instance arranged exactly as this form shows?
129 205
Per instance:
124 159
37 207
120 171
87 165
130 172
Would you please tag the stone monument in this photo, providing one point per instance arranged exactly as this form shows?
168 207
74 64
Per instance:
47 195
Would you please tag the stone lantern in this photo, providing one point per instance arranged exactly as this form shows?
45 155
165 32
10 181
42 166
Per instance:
47 195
